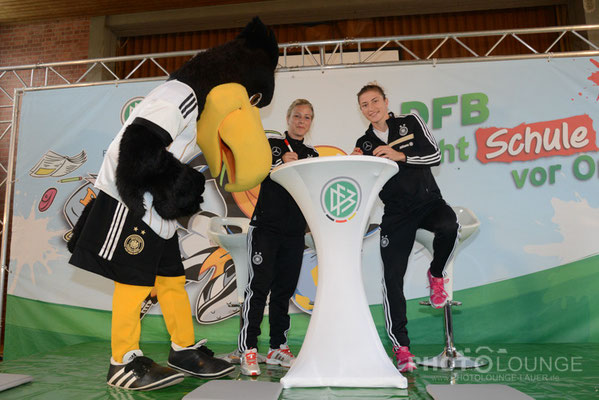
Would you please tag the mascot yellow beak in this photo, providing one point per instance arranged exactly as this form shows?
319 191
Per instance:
230 129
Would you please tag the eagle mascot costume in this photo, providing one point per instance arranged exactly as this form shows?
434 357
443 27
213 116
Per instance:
128 233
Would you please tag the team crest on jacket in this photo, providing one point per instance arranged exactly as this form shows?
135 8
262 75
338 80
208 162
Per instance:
276 151
367 146
403 130
134 244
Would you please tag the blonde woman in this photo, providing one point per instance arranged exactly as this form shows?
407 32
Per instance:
276 247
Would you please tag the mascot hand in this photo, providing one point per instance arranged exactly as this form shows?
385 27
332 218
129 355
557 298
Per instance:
145 165
183 197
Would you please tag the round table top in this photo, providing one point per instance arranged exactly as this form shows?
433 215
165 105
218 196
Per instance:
356 159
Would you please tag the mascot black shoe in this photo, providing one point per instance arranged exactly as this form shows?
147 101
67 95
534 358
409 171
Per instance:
128 233
141 373
198 360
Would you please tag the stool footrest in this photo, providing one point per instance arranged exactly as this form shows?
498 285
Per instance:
451 360
451 303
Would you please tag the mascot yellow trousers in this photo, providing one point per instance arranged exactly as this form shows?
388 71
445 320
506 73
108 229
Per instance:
126 308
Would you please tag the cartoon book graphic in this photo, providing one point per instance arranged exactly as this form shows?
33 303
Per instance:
54 164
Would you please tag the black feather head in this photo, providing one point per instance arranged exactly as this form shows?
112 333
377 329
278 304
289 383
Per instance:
259 36
250 60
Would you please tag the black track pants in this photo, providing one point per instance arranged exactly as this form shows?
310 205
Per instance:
275 264
397 241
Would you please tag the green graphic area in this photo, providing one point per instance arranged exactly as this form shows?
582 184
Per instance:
341 198
130 107
552 306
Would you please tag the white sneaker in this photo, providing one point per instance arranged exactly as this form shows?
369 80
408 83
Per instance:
281 356
249 362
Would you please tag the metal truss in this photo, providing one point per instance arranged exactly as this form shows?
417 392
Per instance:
317 55
327 54
333 54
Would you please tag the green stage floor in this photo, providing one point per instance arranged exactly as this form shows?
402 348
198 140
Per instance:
543 371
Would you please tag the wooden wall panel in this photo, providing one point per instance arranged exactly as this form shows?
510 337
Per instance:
547 16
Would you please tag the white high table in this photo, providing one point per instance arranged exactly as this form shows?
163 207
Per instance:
342 346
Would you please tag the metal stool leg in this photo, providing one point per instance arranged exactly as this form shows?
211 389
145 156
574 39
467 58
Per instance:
236 245
450 358
234 357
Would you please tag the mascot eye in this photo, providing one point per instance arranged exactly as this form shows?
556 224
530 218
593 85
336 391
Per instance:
255 99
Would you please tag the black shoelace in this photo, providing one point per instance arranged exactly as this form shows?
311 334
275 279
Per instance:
206 351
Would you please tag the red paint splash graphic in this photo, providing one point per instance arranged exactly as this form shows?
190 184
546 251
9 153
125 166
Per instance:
595 75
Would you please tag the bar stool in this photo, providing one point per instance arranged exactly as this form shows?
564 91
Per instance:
230 233
450 358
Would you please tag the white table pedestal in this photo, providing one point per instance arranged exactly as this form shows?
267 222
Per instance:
342 346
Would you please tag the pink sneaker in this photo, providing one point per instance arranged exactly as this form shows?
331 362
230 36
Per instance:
405 363
438 294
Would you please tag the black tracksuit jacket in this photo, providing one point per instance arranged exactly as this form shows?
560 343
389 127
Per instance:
276 211
414 185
